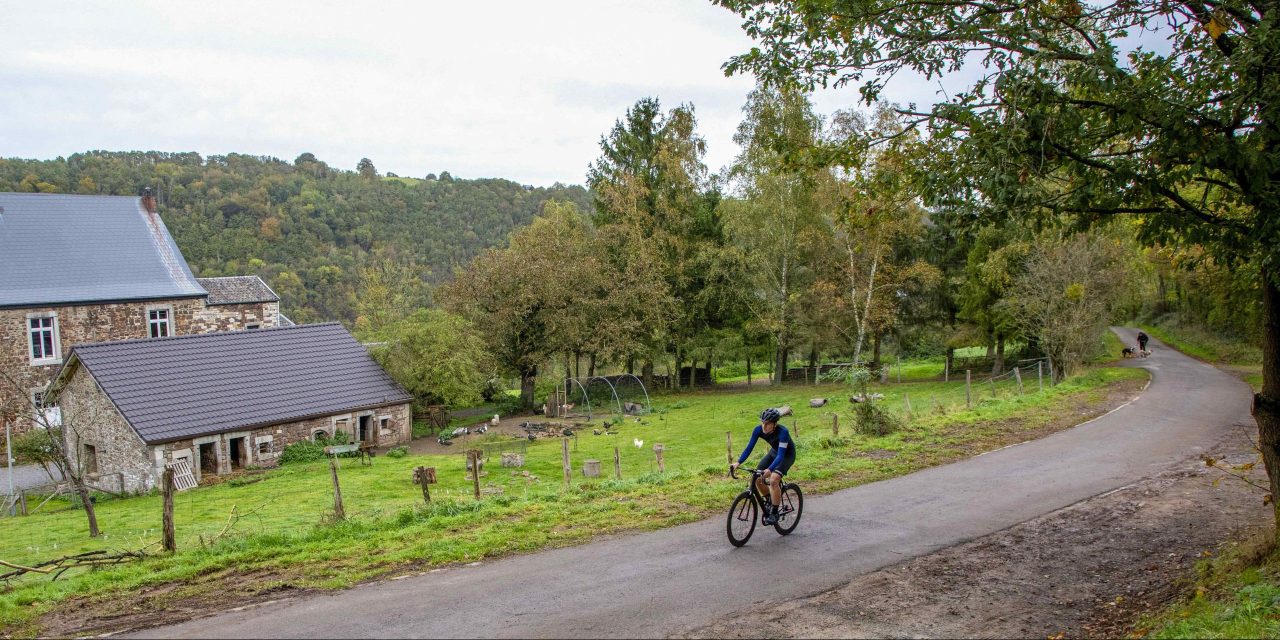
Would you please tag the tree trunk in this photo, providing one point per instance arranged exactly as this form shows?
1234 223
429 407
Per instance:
1266 404
997 365
693 372
748 371
631 366
991 347
813 363
679 365
646 373
83 492
591 366
527 378
780 364
875 353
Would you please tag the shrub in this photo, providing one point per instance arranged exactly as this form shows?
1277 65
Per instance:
871 418
398 452
310 451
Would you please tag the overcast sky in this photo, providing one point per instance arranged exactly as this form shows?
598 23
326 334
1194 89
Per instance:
518 90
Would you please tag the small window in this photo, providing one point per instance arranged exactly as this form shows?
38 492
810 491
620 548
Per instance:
158 323
319 434
384 425
253 326
42 333
90 459
265 448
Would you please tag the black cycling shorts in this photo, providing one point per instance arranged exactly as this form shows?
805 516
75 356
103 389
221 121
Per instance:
767 461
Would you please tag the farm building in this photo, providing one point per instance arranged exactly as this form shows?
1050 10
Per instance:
77 269
221 401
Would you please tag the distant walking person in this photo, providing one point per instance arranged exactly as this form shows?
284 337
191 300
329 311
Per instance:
1142 341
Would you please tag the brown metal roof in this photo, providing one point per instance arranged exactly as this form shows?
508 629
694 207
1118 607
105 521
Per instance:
189 386
237 290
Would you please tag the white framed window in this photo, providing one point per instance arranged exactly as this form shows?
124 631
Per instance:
159 322
43 344
384 425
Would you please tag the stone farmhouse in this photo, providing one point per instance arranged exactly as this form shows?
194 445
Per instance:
221 401
77 269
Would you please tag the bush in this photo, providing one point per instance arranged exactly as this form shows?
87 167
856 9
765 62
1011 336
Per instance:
872 419
310 451
398 452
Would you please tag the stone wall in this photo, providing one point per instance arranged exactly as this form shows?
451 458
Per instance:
80 324
89 418
235 317
264 444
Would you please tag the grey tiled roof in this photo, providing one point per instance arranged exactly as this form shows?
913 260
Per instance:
237 290
58 249
189 386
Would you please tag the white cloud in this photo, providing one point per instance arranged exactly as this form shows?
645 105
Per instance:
520 90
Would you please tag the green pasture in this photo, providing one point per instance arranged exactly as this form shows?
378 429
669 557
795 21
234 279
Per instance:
285 524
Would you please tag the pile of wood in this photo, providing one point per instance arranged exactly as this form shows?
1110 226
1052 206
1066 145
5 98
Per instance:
59 566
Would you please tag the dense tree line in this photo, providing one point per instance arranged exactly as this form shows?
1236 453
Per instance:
307 228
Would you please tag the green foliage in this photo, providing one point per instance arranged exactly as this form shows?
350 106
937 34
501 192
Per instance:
397 452
311 450
436 356
1236 595
37 447
871 418
307 228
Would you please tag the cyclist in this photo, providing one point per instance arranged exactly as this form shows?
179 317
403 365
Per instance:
776 463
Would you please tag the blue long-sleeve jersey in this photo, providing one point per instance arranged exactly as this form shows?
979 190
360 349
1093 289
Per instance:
780 440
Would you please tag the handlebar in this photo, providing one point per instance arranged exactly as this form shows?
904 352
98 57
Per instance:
754 472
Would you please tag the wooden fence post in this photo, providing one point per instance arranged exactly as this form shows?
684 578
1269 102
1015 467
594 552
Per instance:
338 511
426 486
968 394
906 399
1040 374
946 370
1053 379
728 445
835 425
993 387
657 453
166 483
1017 375
617 464
899 368
475 469
568 470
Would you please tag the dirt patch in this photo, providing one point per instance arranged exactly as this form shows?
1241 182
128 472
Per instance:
163 604
1084 571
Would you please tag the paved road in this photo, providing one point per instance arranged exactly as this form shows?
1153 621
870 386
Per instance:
664 582
25 476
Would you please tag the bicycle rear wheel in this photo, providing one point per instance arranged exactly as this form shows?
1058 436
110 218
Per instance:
790 509
742 519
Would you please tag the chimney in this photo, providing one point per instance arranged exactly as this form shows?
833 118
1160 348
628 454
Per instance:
148 200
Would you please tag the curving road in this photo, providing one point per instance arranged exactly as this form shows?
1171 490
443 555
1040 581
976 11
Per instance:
665 582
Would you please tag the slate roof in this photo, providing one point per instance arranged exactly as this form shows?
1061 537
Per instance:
237 290
189 386
59 249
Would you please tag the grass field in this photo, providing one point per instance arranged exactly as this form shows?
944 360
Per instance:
1236 595
286 530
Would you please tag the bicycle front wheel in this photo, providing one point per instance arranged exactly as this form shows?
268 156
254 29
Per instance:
790 509
742 519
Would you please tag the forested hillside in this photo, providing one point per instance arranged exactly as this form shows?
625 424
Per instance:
307 228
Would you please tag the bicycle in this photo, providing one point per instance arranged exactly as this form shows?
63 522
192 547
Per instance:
749 507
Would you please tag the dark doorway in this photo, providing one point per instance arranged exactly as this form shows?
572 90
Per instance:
238 451
362 431
209 458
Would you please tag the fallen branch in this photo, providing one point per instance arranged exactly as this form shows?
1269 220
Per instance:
58 566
